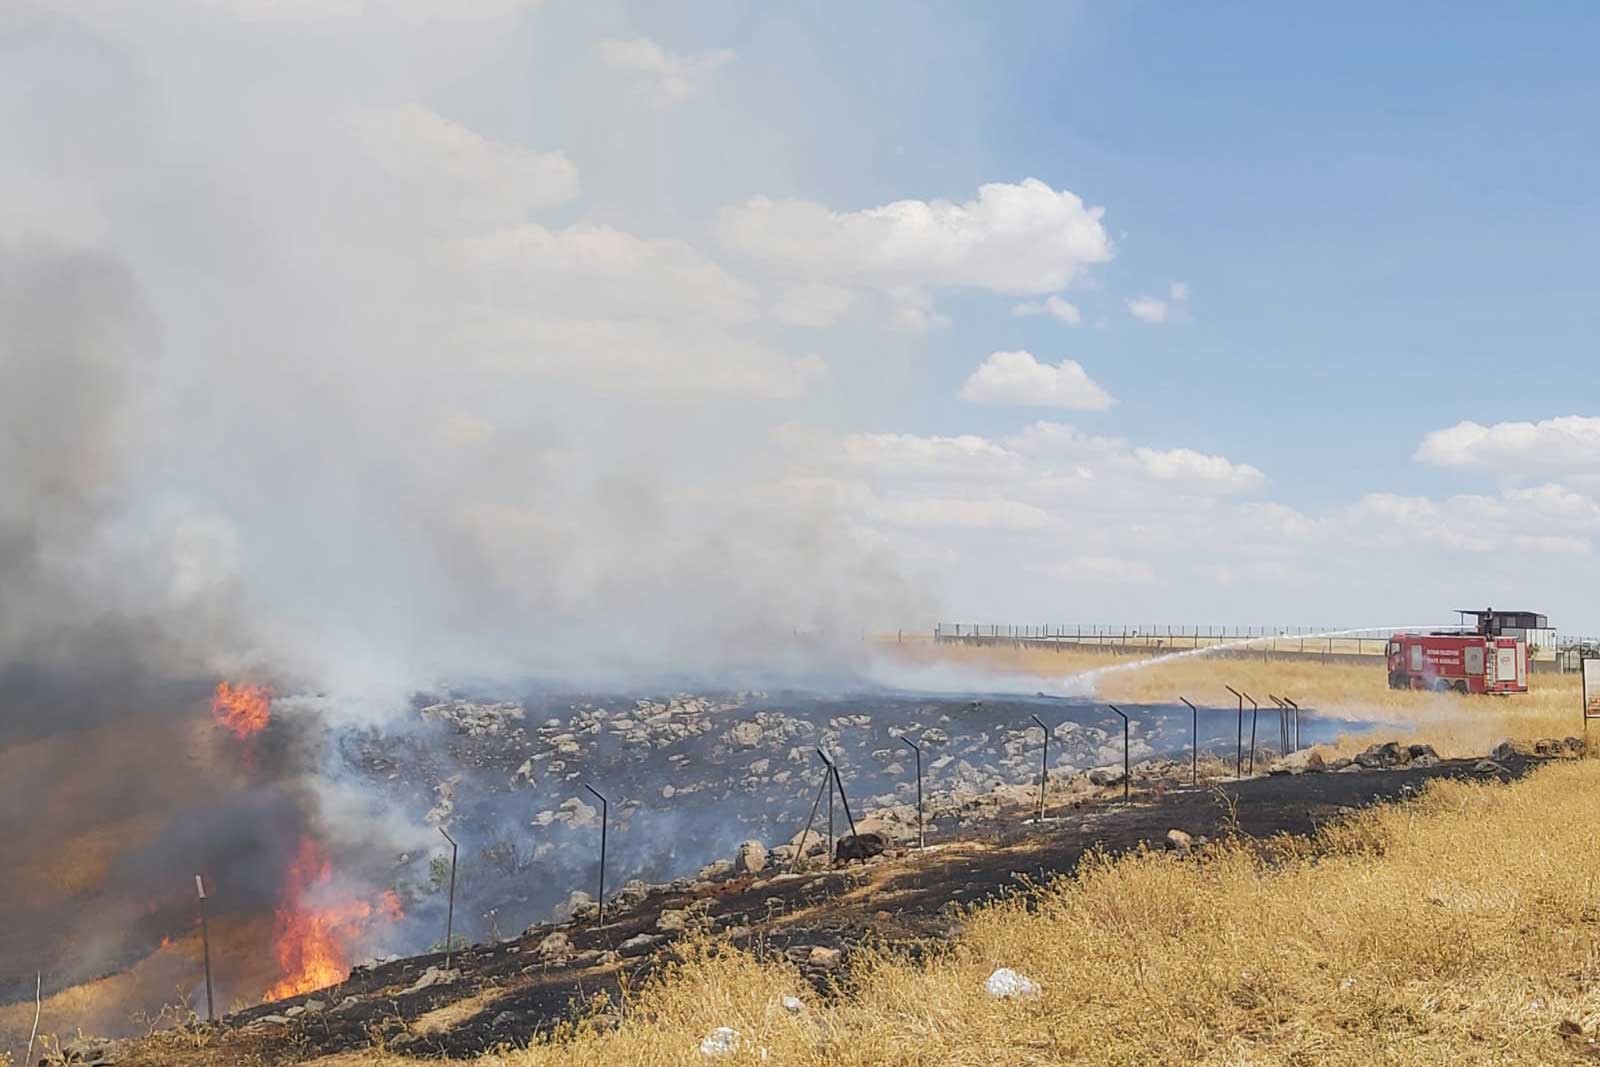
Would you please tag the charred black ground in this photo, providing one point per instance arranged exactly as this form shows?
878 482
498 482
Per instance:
502 994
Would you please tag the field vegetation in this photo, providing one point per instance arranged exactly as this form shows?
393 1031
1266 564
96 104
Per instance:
1460 927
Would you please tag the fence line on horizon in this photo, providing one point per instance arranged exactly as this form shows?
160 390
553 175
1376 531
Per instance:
1319 641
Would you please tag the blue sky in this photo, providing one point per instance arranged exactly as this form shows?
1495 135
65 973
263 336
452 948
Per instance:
465 327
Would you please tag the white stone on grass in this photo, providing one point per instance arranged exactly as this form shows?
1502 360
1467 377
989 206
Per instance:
722 1041
1005 983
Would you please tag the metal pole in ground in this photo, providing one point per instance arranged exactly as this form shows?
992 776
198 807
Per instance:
205 946
450 908
605 811
1194 748
844 801
805 835
1296 707
1044 763
1255 711
1125 771
1283 725
922 841
1238 758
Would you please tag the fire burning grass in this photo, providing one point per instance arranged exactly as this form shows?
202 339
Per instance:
243 710
317 926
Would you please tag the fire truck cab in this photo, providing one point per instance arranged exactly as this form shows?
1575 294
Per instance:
1482 660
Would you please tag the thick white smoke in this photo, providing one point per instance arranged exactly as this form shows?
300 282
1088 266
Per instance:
339 373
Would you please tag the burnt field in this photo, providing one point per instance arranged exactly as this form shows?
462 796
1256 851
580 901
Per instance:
500 994
689 778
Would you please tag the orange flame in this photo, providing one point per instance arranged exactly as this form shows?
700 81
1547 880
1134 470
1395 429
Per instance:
312 940
244 709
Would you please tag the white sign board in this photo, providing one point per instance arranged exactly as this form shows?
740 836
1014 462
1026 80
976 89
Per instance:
1591 687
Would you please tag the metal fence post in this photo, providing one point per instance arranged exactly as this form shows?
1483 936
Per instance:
1044 764
605 813
1126 772
1238 758
450 907
1194 748
205 946
922 841
1255 711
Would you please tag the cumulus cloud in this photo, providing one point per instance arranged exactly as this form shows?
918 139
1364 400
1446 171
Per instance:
1021 239
1570 441
1148 309
1019 380
671 78
1155 310
812 306
1054 306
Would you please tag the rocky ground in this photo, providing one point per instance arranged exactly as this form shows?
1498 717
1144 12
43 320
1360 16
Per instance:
501 993
690 777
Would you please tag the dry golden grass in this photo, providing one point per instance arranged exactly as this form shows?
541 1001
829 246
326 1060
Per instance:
1454 724
1461 928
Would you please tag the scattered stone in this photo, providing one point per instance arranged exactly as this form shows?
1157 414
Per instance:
825 958
1422 756
633 891
718 869
1382 755
431 977
556 946
672 920
477 720
862 846
1179 842
638 945
1489 766
1108 775
793 1005
723 1041
745 735
1505 750
1306 761
1006 983
751 858
578 906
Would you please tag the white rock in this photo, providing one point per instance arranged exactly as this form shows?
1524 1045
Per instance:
793 1004
1008 983
722 1041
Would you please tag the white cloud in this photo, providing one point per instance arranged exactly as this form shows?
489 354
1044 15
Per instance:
1018 379
1187 465
1514 447
1148 308
813 306
1155 310
1553 544
1023 238
1054 306
1103 569
672 79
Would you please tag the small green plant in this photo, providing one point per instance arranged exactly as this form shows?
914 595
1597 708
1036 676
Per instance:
438 873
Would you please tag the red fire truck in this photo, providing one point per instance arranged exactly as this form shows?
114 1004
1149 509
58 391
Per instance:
1482 660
